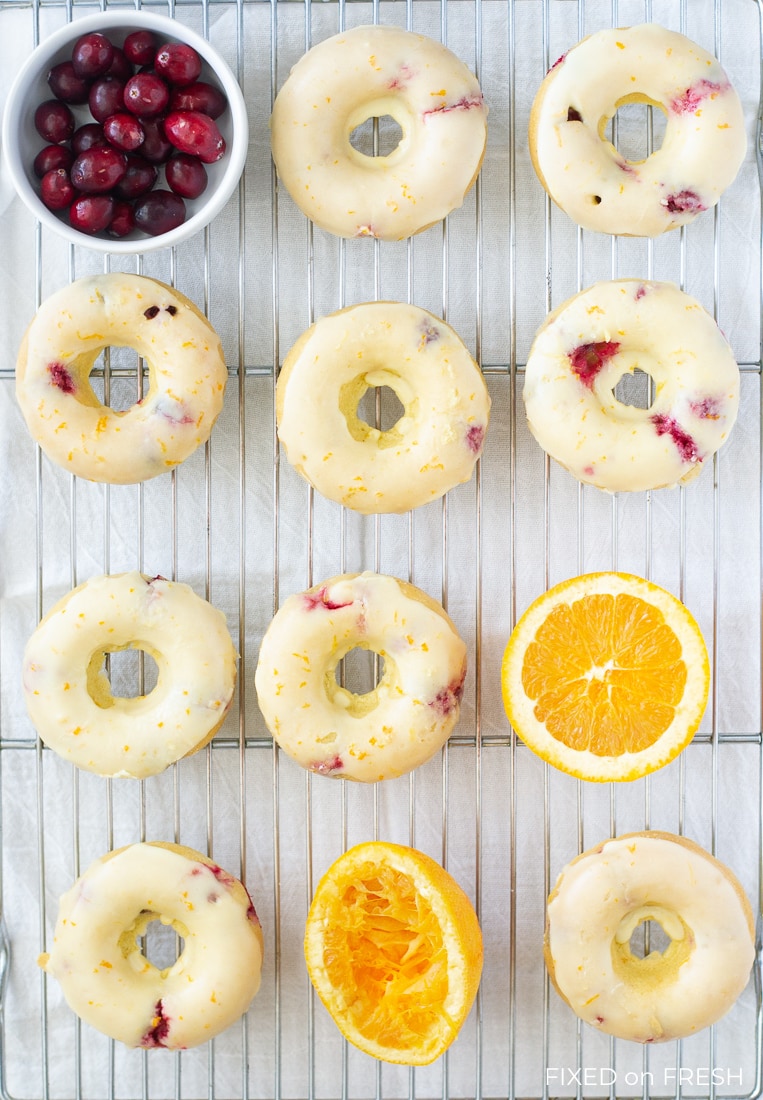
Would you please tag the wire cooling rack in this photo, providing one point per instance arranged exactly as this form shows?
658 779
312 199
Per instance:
237 523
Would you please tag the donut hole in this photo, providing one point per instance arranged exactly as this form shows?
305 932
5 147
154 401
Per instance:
161 945
649 937
650 945
359 673
636 389
637 129
129 673
113 378
376 408
381 408
377 136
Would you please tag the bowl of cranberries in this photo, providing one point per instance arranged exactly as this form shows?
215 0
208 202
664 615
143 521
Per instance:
125 131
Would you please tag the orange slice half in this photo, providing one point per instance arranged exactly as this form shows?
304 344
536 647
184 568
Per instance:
394 950
606 677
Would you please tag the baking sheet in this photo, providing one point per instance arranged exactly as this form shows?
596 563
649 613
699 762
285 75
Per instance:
240 526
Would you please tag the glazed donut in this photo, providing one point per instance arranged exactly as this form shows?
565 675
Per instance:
69 697
371 72
703 147
585 347
388 731
432 447
187 376
598 902
112 986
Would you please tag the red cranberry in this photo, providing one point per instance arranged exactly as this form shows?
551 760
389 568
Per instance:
140 47
158 212
139 178
56 190
66 85
146 95
123 220
92 55
123 131
106 98
177 63
120 67
199 97
155 146
52 157
53 121
195 133
89 136
98 170
91 213
186 175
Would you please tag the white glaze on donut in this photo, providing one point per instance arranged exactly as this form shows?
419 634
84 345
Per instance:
388 731
598 902
187 376
431 448
69 696
370 72
111 985
583 349
703 147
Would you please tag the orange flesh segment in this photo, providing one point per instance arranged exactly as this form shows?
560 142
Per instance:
385 955
606 674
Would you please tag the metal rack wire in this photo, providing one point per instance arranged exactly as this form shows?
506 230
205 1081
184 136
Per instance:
238 524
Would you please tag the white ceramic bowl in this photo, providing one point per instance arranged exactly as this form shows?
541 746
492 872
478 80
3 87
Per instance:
21 142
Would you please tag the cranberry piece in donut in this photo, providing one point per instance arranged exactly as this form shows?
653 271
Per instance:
684 202
475 438
588 359
449 699
687 447
61 378
320 598
688 102
326 767
158 1033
